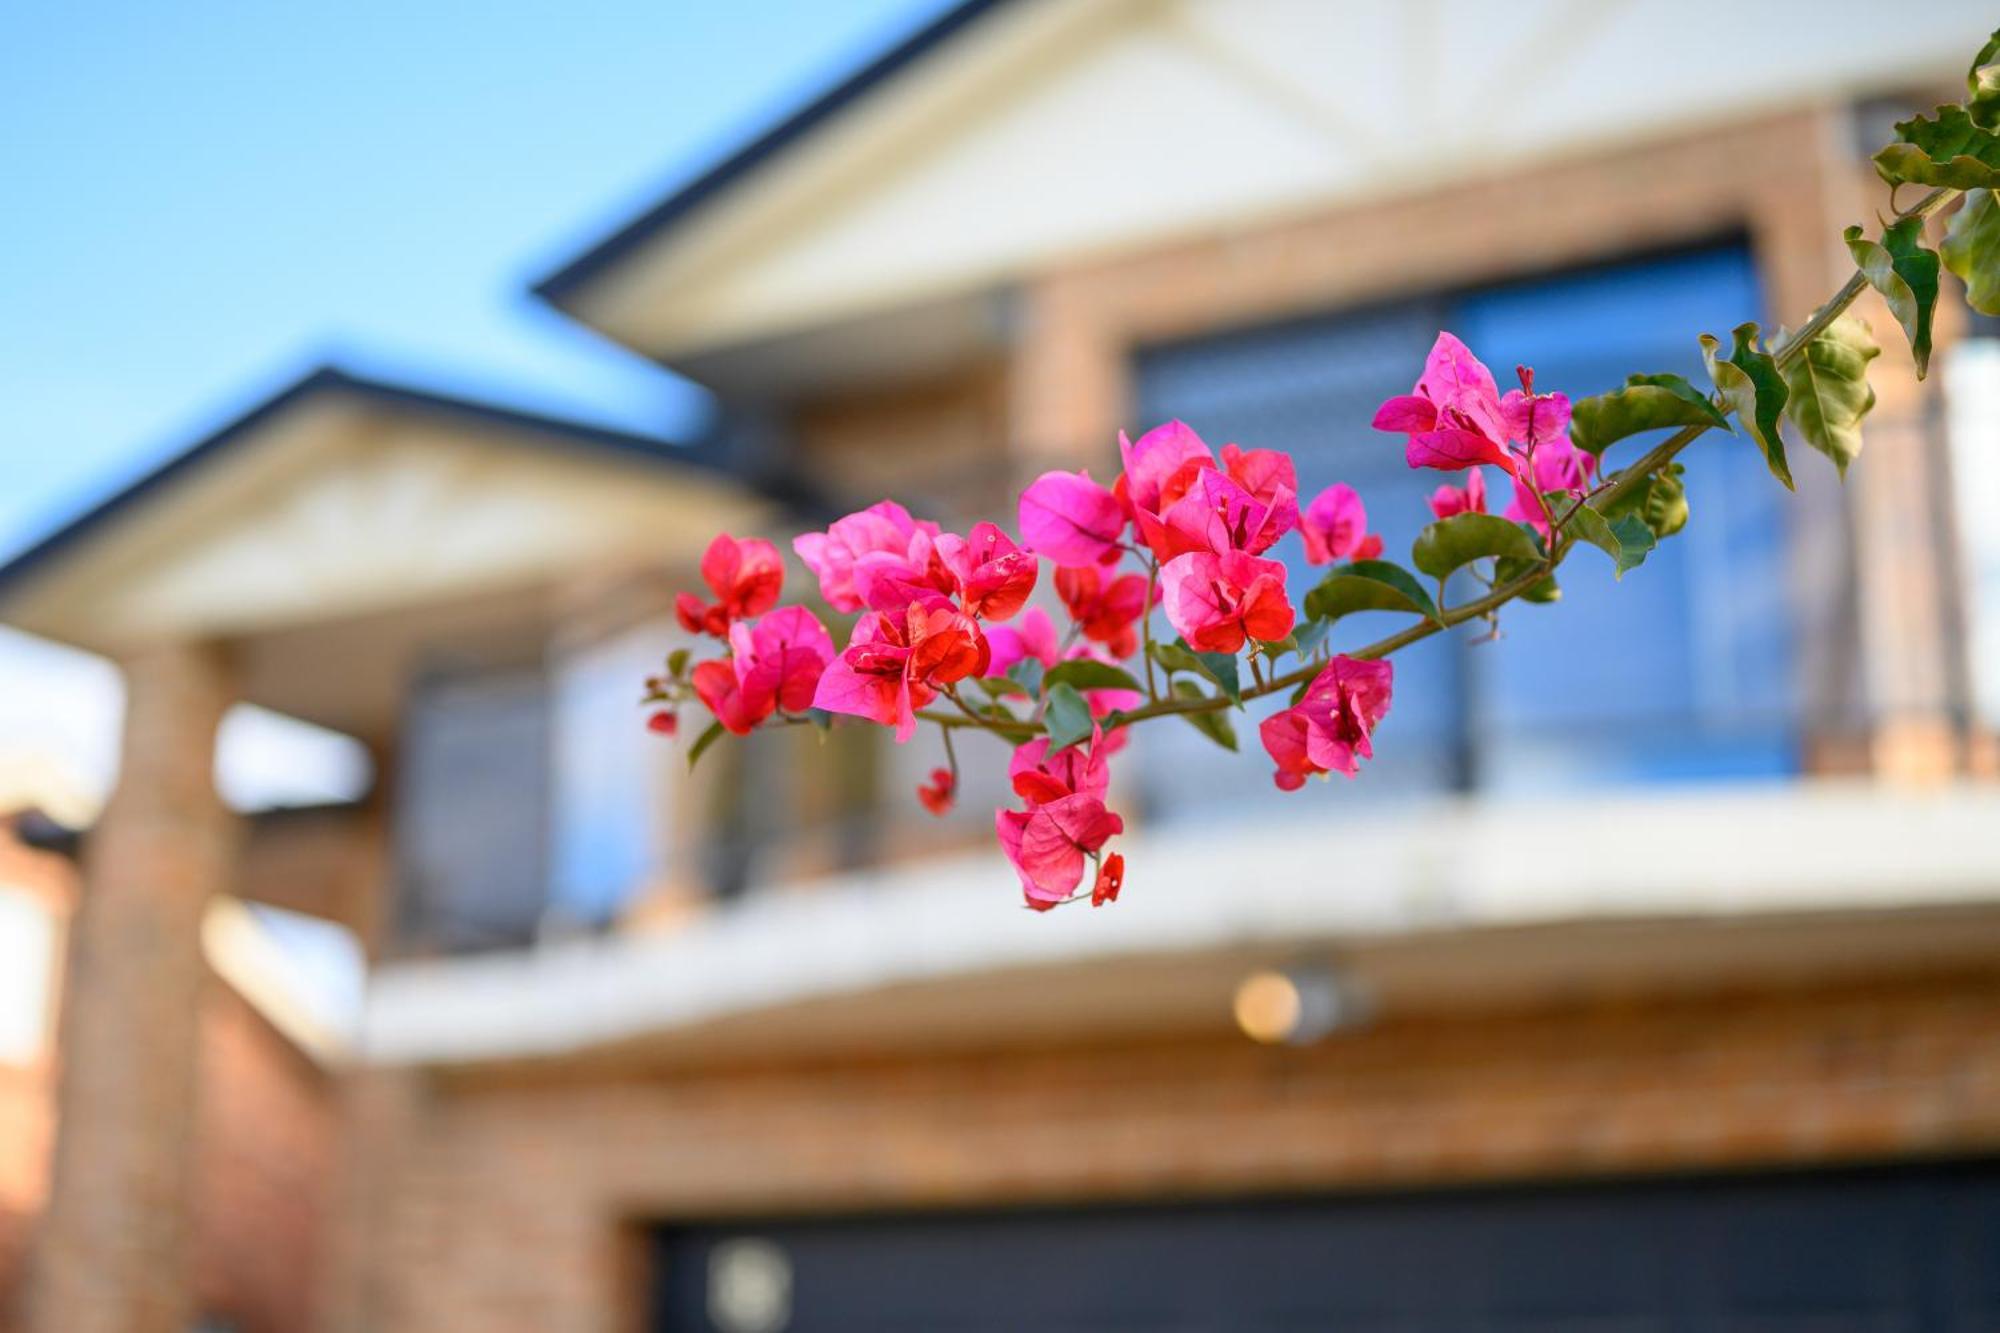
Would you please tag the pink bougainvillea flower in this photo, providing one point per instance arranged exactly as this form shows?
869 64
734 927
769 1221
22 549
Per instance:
1548 460
1265 473
994 575
895 664
946 646
721 692
1534 419
1335 525
1039 777
1049 843
1329 730
938 793
1449 500
1216 514
1106 609
780 658
889 581
1158 463
1453 417
745 574
1219 601
775 664
869 679
1160 467
1071 519
884 527
1110 879
1033 635
664 723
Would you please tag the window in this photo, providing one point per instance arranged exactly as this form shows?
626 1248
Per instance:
1689 669
472 811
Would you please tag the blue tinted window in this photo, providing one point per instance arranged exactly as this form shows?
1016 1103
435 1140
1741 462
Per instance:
1683 670
1312 389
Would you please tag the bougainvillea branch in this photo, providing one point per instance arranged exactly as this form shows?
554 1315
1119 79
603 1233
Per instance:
947 635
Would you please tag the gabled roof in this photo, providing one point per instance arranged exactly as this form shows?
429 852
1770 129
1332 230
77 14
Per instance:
557 432
765 148
1012 140
346 496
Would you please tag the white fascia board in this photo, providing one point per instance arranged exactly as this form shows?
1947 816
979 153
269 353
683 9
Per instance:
1460 866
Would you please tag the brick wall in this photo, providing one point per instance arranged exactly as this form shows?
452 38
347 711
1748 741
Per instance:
263 1171
516 1197
261 1165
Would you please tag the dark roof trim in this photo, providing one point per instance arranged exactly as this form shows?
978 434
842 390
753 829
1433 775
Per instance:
331 379
559 286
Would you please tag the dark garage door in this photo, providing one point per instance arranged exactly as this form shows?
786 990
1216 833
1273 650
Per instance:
1910 1249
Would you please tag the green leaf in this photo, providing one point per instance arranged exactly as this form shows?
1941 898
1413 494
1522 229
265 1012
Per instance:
1086 674
1451 543
677 661
1309 636
1830 393
1750 382
1982 85
998 686
1214 723
1627 539
1219 668
1661 504
1506 571
1971 250
1369 585
1907 276
1067 717
1666 508
1027 673
1647 402
702 742
1950 150
1176 656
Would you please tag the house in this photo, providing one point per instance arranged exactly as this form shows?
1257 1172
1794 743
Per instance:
1651 962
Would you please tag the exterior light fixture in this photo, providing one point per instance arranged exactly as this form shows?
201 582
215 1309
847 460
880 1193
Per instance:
1299 1006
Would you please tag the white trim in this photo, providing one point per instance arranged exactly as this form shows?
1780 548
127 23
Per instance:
1710 854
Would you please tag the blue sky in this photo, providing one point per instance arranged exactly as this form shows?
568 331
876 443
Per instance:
204 199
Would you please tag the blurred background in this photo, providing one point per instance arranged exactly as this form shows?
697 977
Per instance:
372 378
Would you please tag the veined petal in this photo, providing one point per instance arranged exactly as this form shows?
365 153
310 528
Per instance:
1453 447
1070 519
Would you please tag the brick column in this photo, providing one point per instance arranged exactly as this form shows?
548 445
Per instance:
111 1256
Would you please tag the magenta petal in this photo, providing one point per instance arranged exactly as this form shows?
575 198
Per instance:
842 689
1049 844
1154 457
1407 413
1535 419
1334 524
1070 519
1262 472
1188 592
1455 378
1453 448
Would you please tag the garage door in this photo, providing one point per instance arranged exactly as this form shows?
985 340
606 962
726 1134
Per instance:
1909 1249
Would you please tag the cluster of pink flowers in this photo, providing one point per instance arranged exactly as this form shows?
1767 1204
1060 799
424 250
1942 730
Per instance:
1457 420
937 610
